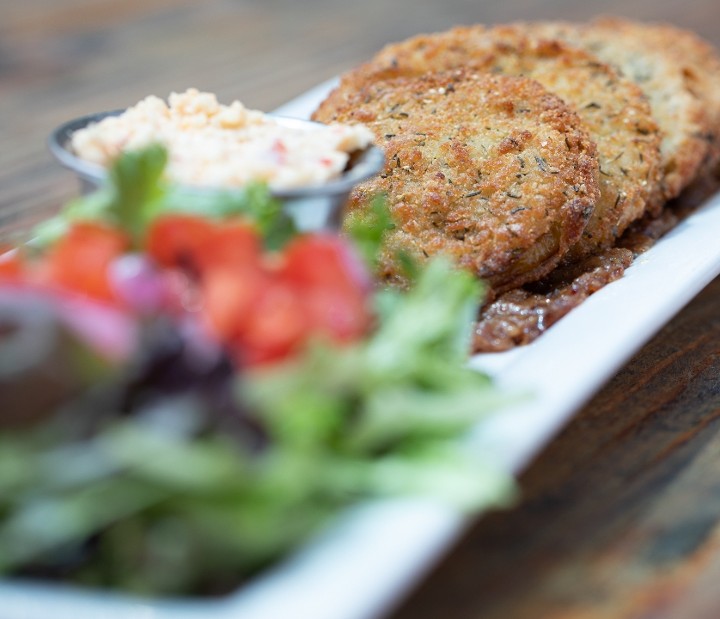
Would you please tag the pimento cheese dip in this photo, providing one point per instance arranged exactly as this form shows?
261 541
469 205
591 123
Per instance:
216 145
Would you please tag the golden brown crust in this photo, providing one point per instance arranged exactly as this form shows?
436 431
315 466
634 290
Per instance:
613 109
679 72
493 171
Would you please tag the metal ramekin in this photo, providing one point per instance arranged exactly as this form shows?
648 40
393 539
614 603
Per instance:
315 207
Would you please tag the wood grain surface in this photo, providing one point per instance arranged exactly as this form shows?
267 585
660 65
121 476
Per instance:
620 515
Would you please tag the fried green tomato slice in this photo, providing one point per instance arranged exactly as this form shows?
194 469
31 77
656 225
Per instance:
679 73
614 110
492 171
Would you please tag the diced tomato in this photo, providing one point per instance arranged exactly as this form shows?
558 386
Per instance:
276 327
11 264
231 273
334 285
175 239
341 316
195 243
234 245
80 260
228 298
325 260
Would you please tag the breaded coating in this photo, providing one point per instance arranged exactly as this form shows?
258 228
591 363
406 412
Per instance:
493 171
613 109
680 74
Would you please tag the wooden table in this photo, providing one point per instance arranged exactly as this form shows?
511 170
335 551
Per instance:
621 513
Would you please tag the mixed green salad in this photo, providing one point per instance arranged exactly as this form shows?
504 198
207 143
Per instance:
190 388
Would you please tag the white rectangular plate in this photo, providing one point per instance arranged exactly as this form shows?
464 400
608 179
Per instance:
375 552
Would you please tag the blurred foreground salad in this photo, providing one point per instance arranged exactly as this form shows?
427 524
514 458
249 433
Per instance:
190 389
